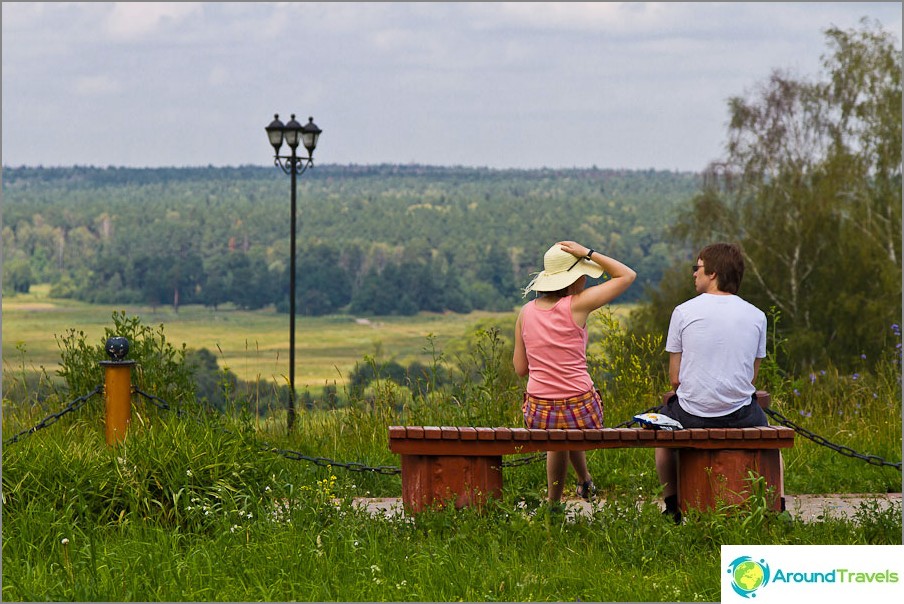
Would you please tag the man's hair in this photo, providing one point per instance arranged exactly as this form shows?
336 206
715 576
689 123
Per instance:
726 260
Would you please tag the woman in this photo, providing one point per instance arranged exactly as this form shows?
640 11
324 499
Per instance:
551 349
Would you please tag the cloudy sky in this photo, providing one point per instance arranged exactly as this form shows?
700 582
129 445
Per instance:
504 85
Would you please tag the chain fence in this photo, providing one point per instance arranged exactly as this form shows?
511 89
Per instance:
79 402
870 459
54 417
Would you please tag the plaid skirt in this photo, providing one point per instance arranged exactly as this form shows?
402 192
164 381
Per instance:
582 412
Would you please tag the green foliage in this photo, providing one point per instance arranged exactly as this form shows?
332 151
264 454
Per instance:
159 369
811 191
628 369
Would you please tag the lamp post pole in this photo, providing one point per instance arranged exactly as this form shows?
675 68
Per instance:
292 133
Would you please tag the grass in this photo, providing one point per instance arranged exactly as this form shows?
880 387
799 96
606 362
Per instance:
190 510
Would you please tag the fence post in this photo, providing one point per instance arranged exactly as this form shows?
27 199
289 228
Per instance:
117 390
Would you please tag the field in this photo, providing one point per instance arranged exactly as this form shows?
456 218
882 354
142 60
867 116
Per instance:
252 344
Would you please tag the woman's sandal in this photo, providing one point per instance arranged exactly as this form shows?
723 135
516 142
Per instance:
586 490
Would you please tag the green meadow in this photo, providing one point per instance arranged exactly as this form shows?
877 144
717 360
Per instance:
252 344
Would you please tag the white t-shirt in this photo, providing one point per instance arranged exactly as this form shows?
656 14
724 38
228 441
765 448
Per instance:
718 336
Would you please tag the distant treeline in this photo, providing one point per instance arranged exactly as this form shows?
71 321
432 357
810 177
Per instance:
382 240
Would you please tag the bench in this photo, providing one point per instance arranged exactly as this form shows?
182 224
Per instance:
463 465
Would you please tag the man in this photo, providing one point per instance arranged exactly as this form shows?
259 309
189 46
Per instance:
715 344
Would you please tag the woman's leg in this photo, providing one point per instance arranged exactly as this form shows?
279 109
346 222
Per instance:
579 462
556 469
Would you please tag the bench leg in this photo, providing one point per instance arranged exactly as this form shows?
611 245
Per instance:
432 480
707 477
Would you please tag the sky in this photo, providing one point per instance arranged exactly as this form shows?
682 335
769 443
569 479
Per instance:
621 85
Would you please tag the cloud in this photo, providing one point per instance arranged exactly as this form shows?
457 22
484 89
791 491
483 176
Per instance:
130 20
218 75
96 86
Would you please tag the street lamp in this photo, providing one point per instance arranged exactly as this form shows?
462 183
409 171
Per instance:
292 133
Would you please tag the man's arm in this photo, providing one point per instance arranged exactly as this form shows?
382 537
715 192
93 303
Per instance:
675 365
756 368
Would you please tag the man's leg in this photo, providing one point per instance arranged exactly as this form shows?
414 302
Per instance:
667 469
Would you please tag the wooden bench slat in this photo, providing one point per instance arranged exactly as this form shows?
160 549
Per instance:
664 434
539 435
432 433
593 435
449 433
415 431
486 434
574 435
503 433
628 435
556 434
611 434
468 433
647 434
520 434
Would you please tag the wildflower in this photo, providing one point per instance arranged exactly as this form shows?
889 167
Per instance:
856 376
896 329
812 378
823 372
863 356
796 392
188 473
65 541
806 413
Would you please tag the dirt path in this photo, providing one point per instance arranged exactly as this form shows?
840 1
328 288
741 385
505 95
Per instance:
807 508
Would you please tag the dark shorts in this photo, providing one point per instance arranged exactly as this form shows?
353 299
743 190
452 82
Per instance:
748 416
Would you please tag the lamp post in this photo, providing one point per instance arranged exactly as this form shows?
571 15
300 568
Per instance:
292 133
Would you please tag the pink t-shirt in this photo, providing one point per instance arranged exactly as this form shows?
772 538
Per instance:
556 351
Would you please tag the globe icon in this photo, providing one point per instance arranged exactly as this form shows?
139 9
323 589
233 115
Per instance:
748 575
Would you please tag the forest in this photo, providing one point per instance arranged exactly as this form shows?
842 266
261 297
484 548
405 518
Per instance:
371 240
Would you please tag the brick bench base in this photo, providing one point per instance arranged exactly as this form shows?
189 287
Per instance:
464 465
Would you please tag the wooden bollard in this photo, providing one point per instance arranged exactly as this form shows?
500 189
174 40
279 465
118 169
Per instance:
117 390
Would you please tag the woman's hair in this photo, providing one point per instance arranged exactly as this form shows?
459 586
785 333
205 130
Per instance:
726 260
561 293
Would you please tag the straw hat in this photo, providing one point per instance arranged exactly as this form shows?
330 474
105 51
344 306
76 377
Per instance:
561 269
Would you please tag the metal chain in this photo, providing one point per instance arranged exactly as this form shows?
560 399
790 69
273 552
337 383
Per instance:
157 402
870 459
53 418
323 462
